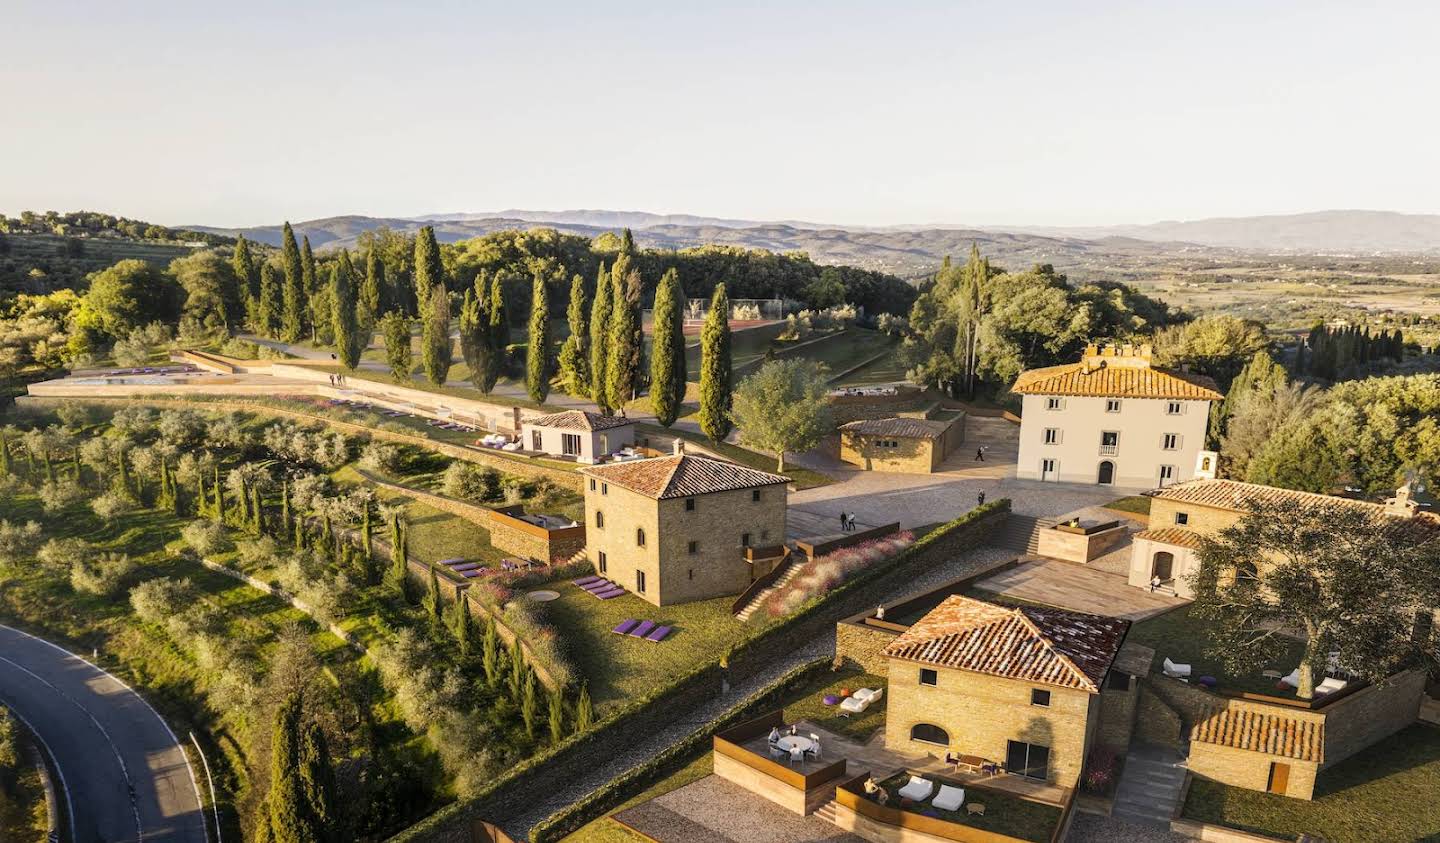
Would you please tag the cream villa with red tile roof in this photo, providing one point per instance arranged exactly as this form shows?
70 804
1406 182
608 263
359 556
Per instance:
676 529
1113 419
582 435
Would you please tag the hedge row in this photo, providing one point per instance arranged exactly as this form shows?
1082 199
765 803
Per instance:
552 768
677 755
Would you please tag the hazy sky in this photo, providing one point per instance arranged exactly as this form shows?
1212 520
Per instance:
1046 113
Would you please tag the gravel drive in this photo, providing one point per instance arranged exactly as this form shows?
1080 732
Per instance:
714 810
1091 828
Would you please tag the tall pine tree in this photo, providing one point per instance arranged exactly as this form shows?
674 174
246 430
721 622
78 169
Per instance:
667 351
499 332
435 353
428 269
269 307
317 299
372 291
292 321
243 265
574 364
395 329
317 781
599 333
343 317
290 820
537 356
623 365
715 371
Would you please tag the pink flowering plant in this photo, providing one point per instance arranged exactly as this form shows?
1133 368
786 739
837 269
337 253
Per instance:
824 573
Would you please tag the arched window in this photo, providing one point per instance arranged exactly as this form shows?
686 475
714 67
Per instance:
640 536
929 733
599 519
1163 565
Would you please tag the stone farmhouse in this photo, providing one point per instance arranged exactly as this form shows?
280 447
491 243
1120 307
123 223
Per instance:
577 434
676 529
914 443
1113 419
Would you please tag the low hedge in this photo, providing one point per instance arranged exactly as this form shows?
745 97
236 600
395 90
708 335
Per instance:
677 755
509 793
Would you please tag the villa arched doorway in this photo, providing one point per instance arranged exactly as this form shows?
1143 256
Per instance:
1107 473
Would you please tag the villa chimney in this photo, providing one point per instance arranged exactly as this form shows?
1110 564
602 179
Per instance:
679 447
1403 505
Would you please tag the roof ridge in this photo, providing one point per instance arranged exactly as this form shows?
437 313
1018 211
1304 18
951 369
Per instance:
1052 649
674 469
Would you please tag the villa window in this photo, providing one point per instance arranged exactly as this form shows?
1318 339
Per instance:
1109 441
640 582
639 537
570 444
693 548
1167 474
1170 441
929 677
1112 405
602 561
754 495
1174 408
1053 403
1027 759
692 573
604 488
1052 436
929 733
592 484
689 504
537 441
1182 518
744 539
599 520
1039 697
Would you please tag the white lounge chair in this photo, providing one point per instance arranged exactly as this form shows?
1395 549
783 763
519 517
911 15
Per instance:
949 798
860 700
1293 679
918 789
1176 671
1330 686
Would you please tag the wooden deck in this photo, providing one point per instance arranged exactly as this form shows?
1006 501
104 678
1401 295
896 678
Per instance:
1068 585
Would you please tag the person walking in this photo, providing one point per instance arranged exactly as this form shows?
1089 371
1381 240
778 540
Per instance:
843 521
980 498
980 454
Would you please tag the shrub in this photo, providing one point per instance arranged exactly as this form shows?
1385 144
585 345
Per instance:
158 600
526 619
61 554
256 553
105 575
516 488
133 420
378 456
205 537
1101 771
58 495
18 541
471 482
112 505
824 573
75 415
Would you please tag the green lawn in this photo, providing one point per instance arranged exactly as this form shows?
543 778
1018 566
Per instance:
804 478
810 705
619 667
1004 813
1138 504
1181 637
887 369
1389 792
434 534
845 349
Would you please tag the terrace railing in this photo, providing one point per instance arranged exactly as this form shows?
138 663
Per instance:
730 743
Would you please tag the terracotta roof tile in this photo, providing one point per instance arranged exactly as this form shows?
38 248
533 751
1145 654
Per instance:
577 420
1171 535
1261 731
1045 646
1115 382
1234 496
682 476
898 427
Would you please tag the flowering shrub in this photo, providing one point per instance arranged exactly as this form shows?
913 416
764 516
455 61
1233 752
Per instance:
824 573
1101 771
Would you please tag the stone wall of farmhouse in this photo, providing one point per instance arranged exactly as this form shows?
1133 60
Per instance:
1117 715
910 456
1372 714
1251 770
1155 720
863 646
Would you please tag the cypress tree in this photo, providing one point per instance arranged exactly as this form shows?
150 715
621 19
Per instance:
257 514
317 781
343 318
243 266
462 626
318 316
435 354
269 308
715 373
517 669
537 356
475 344
667 351
4 456
557 717
219 497
434 603
395 328
599 330
529 703
584 710
367 548
285 506
623 365
372 291
574 365
499 331
289 822
490 652
293 316
429 271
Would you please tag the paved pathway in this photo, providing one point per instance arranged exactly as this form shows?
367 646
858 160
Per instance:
1080 588
646 746
1091 828
716 810
1150 786
124 771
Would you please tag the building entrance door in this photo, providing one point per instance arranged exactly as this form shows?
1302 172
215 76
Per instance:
1107 473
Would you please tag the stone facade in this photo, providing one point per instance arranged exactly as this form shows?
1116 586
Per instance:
512 535
981 714
717 529
863 646
1253 770
1156 721
905 456
1077 547
1117 714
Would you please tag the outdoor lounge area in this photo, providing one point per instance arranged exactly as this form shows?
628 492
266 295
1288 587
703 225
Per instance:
912 802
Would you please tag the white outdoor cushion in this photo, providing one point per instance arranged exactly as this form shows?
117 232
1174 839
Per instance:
1177 670
918 789
863 694
1293 680
949 798
854 704
1330 686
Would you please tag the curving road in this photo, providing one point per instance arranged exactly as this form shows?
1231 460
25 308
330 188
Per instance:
122 768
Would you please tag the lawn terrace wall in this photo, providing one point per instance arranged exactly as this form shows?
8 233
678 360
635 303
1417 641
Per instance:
514 792
823 548
874 821
510 533
801 793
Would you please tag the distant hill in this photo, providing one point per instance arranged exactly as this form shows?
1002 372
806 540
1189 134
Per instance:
1326 232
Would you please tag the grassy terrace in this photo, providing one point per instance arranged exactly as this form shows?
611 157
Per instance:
1389 792
434 534
1182 638
1138 504
620 667
841 350
887 369
804 478
1004 813
810 705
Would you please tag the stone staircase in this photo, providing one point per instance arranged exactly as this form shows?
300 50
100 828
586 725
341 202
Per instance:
792 567
1149 788
1022 533
827 812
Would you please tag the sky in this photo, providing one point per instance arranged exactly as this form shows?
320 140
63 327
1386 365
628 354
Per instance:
1041 113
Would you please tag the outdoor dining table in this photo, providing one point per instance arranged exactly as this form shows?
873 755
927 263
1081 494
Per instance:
790 743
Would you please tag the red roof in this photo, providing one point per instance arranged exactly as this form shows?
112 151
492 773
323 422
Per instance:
682 476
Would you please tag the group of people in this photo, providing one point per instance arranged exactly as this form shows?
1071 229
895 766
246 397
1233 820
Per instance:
847 522
337 380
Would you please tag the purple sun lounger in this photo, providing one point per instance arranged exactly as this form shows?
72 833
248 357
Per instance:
584 581
462 568
599 585
470 575
448 562
644 629
607 595
658 634
624 627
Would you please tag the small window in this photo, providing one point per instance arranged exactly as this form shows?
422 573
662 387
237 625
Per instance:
604 488
602 561
1052 436
1118 681
592 484
1052 403
928 676
1112 405
689 504
1170 441
1174 408
764 535
640 582
536 441
692 573
1039 697
754 495
1167 474
744 539
693 548
599 520
1182 518
639 537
